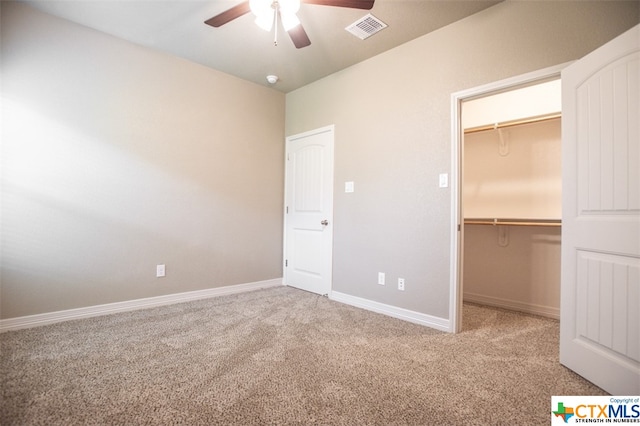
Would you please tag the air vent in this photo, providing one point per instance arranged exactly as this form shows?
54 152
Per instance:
366 26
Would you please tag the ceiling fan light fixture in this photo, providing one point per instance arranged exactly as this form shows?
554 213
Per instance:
265 21
268 11
261 7
264 13
289 20
289 6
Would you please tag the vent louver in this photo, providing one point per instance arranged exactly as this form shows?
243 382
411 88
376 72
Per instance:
366 26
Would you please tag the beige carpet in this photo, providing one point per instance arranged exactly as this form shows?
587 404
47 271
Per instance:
283 356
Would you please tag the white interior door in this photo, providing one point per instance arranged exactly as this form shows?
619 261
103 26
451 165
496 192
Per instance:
309 210
600 290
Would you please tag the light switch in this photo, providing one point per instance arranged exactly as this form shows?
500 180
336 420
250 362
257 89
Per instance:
444 180
348 187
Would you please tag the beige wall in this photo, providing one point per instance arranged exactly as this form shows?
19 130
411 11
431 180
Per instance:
521 271
116 158
392 124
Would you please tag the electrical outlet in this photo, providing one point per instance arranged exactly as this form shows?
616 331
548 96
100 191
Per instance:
381 278
401 284
160 271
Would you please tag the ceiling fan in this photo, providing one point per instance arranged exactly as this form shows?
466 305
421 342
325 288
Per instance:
269 12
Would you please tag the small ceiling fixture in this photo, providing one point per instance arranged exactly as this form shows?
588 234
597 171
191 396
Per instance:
272 79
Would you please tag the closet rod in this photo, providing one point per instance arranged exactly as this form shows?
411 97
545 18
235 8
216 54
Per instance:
514 222
512 123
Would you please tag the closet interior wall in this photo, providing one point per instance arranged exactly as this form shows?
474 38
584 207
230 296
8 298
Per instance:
512 175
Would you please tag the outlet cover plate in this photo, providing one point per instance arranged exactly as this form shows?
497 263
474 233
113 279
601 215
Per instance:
444 180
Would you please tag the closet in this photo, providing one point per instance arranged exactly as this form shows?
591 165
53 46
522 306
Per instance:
511 199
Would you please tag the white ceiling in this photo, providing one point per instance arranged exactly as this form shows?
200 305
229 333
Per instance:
242 49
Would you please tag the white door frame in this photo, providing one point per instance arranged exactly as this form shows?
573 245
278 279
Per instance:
457 230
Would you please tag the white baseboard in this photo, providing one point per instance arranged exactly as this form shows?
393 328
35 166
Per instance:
529 308
130 305
392 311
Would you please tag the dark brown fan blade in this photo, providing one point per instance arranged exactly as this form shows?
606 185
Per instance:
299 36
229 15
354 4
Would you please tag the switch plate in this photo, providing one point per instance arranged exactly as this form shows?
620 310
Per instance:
160 271
348 186
381 278
444 180
401 284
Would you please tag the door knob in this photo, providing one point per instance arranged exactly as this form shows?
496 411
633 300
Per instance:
324 222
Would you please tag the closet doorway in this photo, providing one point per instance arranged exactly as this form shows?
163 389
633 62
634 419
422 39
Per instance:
507 179
512 200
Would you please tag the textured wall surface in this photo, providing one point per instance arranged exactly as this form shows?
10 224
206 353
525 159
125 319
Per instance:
392 116
116 158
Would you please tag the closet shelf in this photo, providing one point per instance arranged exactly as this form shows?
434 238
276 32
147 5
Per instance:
512 123
513 222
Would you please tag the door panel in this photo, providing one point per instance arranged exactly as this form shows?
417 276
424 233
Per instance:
306 251
309 204
607 302
600 324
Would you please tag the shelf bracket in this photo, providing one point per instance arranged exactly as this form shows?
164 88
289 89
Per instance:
503 236
503 143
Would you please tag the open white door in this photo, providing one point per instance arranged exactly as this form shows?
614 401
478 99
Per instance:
600 290
309 211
